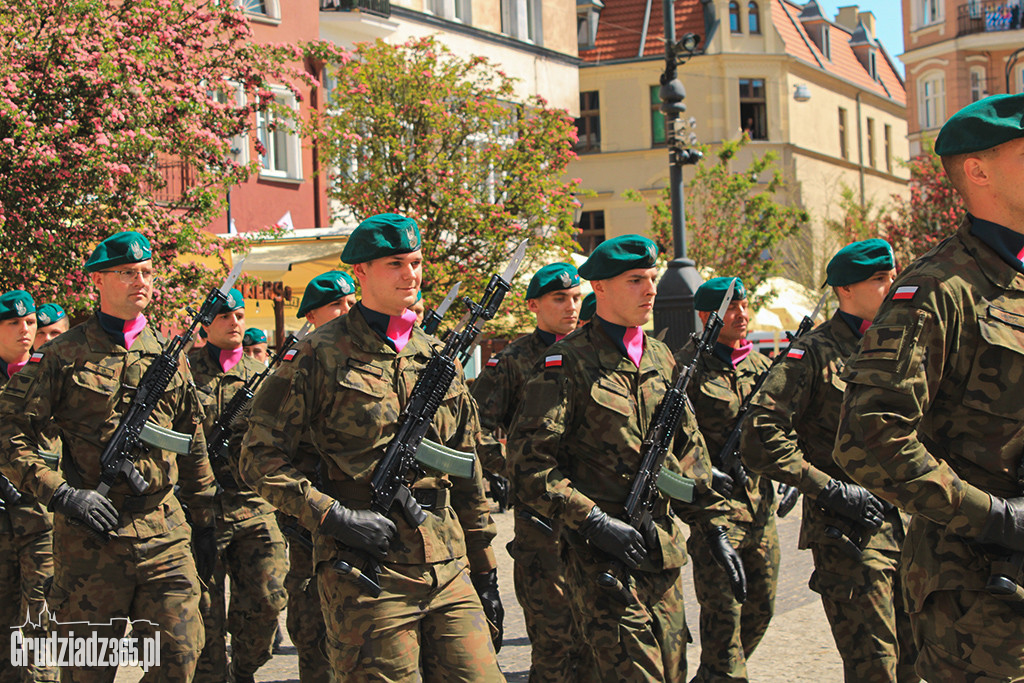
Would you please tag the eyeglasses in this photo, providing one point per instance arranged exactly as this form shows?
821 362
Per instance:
127 277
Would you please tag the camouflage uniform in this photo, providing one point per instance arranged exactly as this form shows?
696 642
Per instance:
305 619
26 565
557 651
945 355
145 570
729 631
575 443
250 547
789 436
348 386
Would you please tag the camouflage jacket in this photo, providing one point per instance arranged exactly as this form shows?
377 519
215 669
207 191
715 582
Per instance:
498 391
576 439
216 388
933 419
716 392
341 393
83 382
29 516
792 429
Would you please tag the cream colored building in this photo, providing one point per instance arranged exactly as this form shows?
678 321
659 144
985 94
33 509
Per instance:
821 93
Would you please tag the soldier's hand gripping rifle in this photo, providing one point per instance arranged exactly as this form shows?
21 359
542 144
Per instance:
220 433
9 495
728 459
650 478
409 448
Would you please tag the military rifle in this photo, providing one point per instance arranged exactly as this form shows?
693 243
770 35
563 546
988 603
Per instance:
432 320
650 477
401 462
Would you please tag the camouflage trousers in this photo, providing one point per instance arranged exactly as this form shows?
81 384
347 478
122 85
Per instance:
252 554
305 620
558 651
864 603
730 631
26 565
427 624
642 642
149 579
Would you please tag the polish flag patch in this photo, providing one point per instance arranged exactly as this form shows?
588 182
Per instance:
35 357
553 361
904 293
795 353
290 354
491 362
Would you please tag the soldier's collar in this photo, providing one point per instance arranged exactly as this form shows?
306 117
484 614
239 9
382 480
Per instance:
1008 244
123 332
732 356
225 359
857 325
548 338
994 267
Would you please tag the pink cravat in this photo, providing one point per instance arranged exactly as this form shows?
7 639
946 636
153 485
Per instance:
633 340
742 352
12 368
864 325
229 358
132 330
400 328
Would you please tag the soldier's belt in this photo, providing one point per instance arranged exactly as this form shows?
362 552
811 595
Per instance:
165 439
675 486
448 460
126 503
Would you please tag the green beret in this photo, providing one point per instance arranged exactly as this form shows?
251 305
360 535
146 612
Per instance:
858 261
254 335
16 304
709 295
233 302
982 125
324 289
551 278
619 254
382 235
48 314
119 249
588 308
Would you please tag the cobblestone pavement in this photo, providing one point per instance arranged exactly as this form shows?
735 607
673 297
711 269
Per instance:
798 646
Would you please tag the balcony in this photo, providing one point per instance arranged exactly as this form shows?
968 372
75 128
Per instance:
989 16
380 8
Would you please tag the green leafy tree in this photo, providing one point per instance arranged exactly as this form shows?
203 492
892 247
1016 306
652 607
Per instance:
417 130
734 223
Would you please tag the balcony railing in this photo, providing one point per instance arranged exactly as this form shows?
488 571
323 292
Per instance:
381 8
989 16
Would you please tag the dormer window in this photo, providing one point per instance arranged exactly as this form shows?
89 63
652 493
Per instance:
588 13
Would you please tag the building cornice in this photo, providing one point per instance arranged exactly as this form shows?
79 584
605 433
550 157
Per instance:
974 41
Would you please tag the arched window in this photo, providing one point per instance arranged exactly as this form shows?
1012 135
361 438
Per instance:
734 17
753 18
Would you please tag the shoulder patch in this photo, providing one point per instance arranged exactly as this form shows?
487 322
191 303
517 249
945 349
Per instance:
290 354
492 361
795 354
554 361
35 357
905 293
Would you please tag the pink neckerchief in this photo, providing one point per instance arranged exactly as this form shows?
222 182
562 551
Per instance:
12 368
738 354
864 325
400 328
132 330
633 340
229 358
559 337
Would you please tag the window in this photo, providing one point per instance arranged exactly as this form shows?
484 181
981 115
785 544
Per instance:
933 105
657 118
753 18
888 148
522 19
871 143
231 94
734 17
872 65
451 9
753 108
269 9
586 26
844 150
977 79
931 11
588 125
826 42
282 154
591 227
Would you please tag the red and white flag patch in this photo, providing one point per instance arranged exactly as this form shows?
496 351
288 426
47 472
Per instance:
795 353
491 362
35 357
553 361
904 293
290 354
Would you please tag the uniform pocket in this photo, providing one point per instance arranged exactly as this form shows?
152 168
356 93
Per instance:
998 368
611 396
360 409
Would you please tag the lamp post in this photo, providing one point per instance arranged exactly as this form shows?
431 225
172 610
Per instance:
673 307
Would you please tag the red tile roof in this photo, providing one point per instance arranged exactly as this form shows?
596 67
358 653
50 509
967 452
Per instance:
622 24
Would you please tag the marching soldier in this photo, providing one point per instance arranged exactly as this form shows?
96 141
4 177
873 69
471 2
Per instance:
558 652
26 526
254 345
126 556
574 449
587 309
250 547
347 383
327 296
854 538
933 419
51 321
730 630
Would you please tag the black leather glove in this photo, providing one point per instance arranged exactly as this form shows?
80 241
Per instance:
614 537
726 556
360 529
853 502
1005 524
788 496
486 585
204 550
499 489
87 506
721 482
8 494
